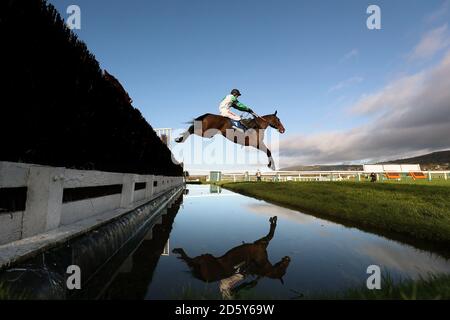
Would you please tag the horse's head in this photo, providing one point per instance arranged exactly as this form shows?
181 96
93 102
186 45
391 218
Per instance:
279 269
274 122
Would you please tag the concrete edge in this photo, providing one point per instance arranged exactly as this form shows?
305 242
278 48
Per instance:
23 249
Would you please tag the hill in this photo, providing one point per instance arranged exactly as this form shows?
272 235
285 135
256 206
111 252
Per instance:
342 167
439 160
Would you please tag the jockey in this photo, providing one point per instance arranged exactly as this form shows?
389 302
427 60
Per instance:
232 101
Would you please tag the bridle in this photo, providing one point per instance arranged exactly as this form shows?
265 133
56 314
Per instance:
269 123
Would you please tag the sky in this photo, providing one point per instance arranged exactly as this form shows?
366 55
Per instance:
344 93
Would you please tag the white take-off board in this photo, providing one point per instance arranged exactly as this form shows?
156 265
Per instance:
411 168
392 168
380 168
376 168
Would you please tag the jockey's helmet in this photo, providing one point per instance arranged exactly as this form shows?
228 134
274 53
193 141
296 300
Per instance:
235 92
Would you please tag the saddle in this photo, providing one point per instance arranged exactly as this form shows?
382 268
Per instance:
247 123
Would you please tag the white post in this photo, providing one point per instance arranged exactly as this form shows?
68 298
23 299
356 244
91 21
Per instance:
44 200
149 187
445 175
157 189
127 190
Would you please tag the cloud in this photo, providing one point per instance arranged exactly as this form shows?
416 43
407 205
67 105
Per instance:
439 13
400 258
346 83
432 42
351 54
409 115
401 92
269 210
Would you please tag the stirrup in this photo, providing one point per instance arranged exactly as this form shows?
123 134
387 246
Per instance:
237 125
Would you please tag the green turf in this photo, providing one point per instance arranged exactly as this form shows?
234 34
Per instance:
418 211
435 287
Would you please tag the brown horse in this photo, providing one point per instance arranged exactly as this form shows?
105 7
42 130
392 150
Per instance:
208 125
246 259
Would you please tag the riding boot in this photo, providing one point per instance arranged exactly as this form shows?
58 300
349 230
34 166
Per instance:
238 125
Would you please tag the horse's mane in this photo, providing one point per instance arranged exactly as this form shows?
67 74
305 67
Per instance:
250 123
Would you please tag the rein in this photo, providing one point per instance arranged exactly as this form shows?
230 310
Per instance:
258 116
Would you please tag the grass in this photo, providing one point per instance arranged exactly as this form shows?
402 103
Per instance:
435 287
415 211
7 294
207 293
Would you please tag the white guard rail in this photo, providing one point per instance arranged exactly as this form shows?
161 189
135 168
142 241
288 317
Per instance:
45 209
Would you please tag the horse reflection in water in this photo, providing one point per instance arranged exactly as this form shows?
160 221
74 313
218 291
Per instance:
248 259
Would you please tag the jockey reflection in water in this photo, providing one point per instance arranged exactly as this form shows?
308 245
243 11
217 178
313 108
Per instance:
248 259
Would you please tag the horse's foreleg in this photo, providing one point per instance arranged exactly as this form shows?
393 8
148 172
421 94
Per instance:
185 135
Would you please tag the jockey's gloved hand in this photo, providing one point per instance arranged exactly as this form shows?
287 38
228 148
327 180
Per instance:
250 110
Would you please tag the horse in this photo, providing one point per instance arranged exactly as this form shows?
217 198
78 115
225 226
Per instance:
208 125
245 259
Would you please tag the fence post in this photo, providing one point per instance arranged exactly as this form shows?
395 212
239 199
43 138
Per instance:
127 198
429 176
149 187
44 200
445 175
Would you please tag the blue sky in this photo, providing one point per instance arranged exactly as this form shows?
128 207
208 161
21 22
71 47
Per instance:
312 60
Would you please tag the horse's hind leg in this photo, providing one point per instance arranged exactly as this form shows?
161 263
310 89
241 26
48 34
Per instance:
185 135
182 254
261 146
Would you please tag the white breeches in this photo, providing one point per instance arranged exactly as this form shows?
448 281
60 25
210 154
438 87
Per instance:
227 113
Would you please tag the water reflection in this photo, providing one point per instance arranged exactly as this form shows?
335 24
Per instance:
240 268
323 256
214 188
137 272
